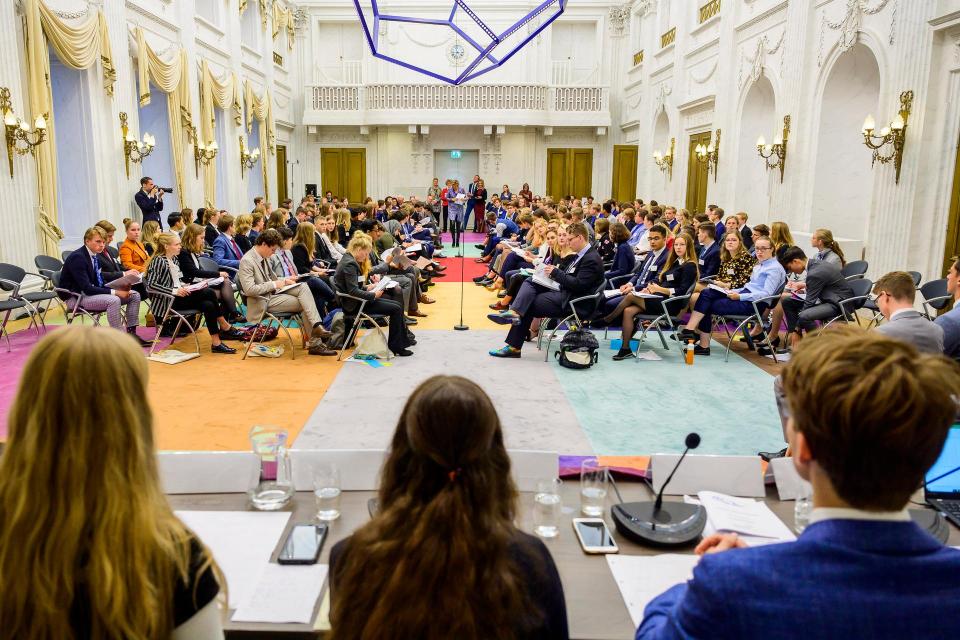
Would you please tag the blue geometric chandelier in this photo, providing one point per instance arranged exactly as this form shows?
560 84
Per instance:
475 47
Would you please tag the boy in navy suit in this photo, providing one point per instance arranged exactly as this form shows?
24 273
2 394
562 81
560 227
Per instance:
709 254
868 416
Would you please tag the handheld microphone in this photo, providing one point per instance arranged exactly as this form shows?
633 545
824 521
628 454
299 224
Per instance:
657 524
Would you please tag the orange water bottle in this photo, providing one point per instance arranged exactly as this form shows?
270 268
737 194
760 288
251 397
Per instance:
688 355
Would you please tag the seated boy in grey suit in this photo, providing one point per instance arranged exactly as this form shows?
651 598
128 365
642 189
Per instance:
895 294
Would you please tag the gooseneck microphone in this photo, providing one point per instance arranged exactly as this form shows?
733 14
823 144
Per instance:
657 524
692 442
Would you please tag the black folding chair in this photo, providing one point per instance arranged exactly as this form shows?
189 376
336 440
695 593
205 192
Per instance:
209 264
760 307
871 304
854 270
7 307
354 320
670 321
183 316
935 297
850 306
590 302
280 317
73 303
11 279
46 267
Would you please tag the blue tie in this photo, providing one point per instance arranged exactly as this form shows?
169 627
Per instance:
96 268
820 255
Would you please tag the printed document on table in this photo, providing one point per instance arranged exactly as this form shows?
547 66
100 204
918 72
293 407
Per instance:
284 593
643 578
241 542
744 516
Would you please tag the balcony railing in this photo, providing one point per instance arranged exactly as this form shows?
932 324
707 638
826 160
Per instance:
709 10
668 38
638 57
430 97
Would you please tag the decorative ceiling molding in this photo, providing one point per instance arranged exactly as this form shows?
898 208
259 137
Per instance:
850 24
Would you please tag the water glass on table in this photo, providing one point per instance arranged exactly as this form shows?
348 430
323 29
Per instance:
593 487
546 508
326 490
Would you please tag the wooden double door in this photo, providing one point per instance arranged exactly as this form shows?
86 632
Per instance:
697 175
569 172
344 172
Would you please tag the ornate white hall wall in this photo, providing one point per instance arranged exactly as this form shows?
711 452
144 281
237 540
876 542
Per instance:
602 75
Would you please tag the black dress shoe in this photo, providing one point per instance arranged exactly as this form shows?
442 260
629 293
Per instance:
222 348
409 320
480 279
766 351
231 334
403 353
701 351
623 355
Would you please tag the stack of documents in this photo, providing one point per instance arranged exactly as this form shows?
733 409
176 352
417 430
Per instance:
751 519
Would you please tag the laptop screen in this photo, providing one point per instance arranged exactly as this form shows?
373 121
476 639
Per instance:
939 479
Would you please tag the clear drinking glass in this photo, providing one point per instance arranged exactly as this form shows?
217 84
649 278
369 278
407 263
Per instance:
802 508
274 488
326 490
546 508
593 487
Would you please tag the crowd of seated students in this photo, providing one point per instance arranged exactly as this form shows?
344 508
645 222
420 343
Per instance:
442 555
306 247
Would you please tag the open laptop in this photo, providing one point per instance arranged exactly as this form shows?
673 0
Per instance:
942 483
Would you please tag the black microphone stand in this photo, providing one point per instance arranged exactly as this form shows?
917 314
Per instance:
461 326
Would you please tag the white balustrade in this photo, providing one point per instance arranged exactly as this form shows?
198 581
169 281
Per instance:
429 97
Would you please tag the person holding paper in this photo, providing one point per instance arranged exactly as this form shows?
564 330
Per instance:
351 278
191 248
767 279
284 265
861 568
678 276
581 277
82 274
648 270
442 558
164 274
256 281
81 499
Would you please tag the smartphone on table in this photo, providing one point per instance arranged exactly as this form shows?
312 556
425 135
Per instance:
303 544
594 536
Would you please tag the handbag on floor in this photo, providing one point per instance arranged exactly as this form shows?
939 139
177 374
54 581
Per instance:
374 343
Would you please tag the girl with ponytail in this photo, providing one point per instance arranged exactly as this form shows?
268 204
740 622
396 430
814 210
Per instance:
828 249
443 559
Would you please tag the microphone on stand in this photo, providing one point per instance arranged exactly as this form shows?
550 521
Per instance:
461 326
657 524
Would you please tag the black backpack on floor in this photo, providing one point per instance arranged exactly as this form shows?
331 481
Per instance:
578 350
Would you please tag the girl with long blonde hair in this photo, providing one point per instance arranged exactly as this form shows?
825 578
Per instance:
828 249
148 233
89 547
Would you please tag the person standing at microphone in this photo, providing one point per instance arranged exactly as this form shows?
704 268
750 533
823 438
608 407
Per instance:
150 200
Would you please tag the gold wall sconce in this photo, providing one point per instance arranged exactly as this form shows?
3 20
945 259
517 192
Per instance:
134 150
20 138
247 158
665 162
710 154
203 153
777 150
895 134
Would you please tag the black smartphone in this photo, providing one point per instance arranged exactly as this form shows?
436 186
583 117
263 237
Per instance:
303 544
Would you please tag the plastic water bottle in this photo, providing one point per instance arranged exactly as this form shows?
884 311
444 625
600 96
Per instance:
688 355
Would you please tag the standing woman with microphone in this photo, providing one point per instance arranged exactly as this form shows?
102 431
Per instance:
456 198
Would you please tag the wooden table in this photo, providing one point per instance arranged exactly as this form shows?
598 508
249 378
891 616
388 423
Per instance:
595 608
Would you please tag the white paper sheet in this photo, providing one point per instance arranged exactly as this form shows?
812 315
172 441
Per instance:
242 543
611 293
643 578
284 593
750 518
